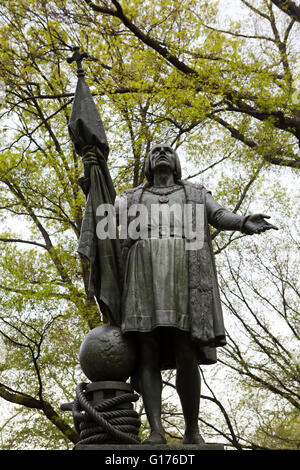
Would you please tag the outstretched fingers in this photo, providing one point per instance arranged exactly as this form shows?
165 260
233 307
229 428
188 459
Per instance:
266 227
270 226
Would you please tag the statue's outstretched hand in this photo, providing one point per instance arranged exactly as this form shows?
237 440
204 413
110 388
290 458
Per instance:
257 224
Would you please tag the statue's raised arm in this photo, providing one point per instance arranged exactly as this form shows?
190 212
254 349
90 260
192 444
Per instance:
89 139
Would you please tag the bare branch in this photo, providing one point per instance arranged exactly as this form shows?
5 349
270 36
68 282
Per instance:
17 240
23 399
289 7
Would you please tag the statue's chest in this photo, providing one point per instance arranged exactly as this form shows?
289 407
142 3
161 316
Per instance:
163 197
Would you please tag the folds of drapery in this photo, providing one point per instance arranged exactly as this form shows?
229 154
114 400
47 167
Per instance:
88 135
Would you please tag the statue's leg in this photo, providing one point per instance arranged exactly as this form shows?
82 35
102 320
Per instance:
151 385
188 385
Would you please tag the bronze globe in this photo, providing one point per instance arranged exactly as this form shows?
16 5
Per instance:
105 354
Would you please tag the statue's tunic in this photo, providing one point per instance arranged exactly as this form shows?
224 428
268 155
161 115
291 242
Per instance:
156 273
167 286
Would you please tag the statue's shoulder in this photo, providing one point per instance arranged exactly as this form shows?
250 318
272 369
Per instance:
189 184
133 195
130 191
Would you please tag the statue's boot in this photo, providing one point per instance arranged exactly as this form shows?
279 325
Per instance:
194 438
155 438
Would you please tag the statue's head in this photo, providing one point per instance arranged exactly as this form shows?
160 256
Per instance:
162 155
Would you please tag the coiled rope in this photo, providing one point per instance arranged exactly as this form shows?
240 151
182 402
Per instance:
101 423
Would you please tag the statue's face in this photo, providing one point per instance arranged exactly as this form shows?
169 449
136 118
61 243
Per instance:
162 155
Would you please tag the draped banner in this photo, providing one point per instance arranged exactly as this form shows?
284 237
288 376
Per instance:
88 136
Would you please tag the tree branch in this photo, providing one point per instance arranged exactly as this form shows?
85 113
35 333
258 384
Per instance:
17 240
23 399
289 7
278 119
269 157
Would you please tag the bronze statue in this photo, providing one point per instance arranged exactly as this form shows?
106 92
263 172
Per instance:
163 295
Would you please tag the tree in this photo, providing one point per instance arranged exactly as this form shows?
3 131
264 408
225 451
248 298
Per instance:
262 348
221 79
162 71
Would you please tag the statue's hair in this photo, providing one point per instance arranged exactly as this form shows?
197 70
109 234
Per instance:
149 172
